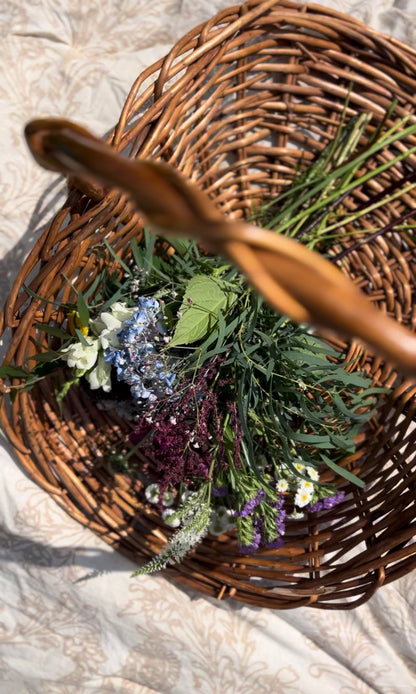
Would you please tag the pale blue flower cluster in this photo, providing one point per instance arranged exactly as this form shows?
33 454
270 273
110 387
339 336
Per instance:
137 358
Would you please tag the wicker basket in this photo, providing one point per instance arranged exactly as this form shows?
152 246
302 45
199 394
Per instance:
238 105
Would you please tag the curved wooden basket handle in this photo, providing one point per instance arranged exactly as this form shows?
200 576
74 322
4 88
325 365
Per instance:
294 280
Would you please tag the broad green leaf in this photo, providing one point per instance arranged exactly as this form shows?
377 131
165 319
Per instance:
13 372
316 440
204 298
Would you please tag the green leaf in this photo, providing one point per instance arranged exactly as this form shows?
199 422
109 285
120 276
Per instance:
46 356
33 294
51 330
343 471
13 372
204 298
138 253
81 337
82 310
39 372
180 244
98 282
117 258
316 440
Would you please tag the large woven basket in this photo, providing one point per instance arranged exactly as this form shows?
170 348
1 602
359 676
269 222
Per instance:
239 105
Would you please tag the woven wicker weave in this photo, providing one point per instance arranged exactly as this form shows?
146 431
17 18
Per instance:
238 106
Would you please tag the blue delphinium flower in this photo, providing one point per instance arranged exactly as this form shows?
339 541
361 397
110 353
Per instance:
138 360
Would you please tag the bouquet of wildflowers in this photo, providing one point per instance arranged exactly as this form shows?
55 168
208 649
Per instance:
236 408
244 416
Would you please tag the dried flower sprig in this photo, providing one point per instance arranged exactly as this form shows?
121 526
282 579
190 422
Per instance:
195 516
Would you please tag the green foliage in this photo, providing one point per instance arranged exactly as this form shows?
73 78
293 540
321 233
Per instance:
10 371
294 403
205 297
312 208
52 330
83 310
65 388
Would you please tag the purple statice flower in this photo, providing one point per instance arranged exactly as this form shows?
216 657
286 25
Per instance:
267 530
326 503
137 360
275 544
255 544
219 491
274 524
251 504
280 515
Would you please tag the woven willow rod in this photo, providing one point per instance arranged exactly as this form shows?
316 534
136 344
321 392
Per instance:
294 280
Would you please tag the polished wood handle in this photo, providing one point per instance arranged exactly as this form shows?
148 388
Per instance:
293 279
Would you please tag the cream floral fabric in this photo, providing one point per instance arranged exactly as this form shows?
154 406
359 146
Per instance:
71 619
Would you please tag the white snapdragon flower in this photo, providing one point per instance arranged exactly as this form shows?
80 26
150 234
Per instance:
109 323
100 376
81 356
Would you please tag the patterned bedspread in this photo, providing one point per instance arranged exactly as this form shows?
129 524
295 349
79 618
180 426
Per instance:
71 619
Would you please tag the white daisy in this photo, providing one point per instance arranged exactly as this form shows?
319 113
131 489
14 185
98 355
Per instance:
302 497
299 467
306 486
282 485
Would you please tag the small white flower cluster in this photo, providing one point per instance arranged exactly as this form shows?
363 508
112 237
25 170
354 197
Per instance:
90 353
222 520
169 515
302 487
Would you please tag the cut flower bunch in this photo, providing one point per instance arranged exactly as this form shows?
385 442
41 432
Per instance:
244 416
236 407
